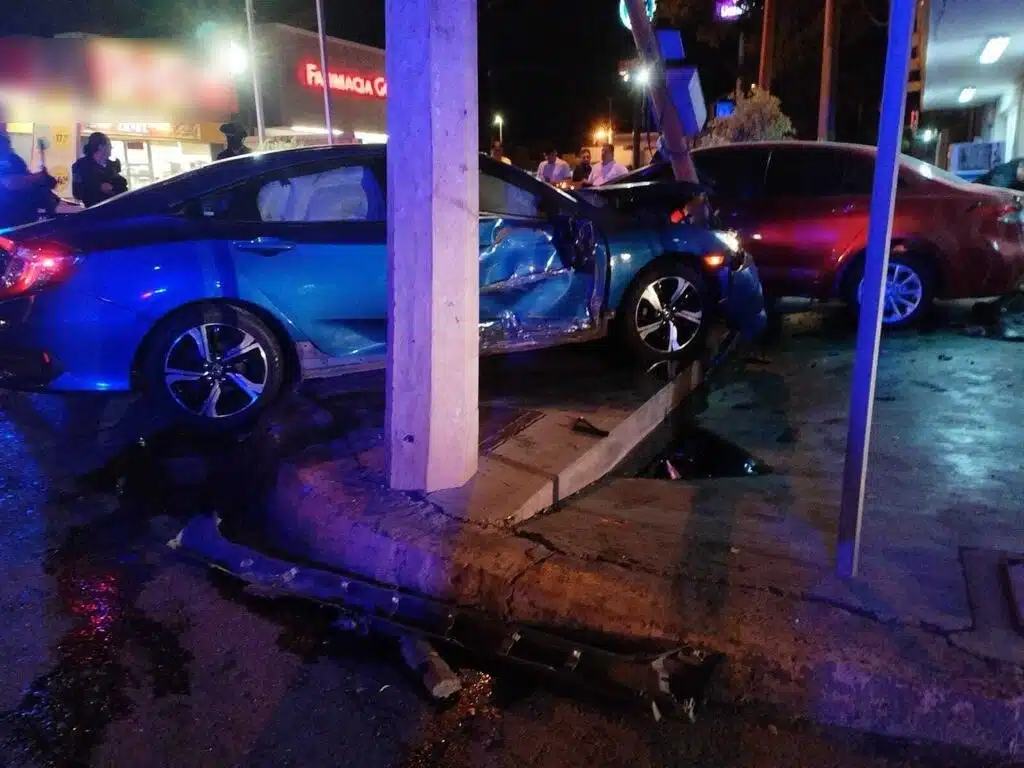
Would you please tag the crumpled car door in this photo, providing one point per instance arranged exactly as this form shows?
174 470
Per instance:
529 287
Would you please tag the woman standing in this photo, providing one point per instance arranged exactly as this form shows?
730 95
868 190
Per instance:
94 178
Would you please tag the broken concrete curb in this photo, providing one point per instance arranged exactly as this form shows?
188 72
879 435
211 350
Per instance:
871 677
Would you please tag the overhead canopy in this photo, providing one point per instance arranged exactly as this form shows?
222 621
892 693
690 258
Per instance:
957 33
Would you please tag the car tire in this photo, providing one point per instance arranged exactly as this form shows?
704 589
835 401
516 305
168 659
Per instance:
665 314
910 289
212 367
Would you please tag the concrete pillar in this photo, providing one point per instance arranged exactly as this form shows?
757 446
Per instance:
433 273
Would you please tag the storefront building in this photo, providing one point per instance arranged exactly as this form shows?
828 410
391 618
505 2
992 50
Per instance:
970 77
291 82
161 104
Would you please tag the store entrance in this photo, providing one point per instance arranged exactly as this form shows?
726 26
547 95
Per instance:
143 162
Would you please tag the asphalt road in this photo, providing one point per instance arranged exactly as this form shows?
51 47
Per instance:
116 651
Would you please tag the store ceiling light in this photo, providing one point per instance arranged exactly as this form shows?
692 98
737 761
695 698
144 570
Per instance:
967 95
994 50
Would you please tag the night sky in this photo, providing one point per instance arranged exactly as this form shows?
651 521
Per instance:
549 66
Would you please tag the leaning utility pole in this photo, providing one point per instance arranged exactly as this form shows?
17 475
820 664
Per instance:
666 111
827 59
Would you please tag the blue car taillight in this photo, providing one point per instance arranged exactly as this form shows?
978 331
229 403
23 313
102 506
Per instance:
29 267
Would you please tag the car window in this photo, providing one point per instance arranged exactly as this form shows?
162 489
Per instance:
859 176
501 197
341 194
806 172
734 174
929 171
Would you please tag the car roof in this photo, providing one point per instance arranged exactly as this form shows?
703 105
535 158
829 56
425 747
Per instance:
227 172
866 149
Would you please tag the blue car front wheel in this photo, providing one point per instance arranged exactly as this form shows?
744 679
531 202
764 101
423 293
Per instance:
213 367
664 314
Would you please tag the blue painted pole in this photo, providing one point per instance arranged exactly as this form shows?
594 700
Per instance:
865 367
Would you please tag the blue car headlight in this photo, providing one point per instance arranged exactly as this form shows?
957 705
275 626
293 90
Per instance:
729 239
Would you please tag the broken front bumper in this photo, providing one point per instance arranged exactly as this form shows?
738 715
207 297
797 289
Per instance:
743 298
676 679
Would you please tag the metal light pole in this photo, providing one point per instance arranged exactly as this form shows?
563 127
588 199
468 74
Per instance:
739 66
500 122
865 368
827 57
257 96
764 71
323 70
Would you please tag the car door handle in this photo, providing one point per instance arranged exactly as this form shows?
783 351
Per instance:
267 246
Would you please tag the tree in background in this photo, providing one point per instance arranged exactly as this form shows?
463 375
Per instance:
758 117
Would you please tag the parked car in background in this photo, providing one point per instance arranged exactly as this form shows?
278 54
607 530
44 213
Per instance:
213 290
1008 175
802 210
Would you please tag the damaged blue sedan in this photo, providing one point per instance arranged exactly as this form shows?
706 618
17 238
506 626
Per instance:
212 291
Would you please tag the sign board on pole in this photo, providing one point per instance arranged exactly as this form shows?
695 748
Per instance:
728 10
650 6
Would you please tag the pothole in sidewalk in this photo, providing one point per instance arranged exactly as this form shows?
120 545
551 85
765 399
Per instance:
696 453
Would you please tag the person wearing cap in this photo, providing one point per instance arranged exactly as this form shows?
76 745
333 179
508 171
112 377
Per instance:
235 135
94 177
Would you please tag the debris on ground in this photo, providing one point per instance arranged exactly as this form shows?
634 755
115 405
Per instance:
437 677
696 453
584 427
788 436
676 679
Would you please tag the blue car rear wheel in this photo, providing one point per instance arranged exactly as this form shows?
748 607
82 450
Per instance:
213 367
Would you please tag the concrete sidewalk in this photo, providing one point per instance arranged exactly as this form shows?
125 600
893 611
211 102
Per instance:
917 647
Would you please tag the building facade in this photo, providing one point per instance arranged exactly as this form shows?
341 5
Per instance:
291 83
160 103
966 87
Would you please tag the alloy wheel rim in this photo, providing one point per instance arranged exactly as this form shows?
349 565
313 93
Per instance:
216 370
669 314
904 292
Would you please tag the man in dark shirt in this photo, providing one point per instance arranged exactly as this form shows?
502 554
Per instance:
582 171
235 136
22 194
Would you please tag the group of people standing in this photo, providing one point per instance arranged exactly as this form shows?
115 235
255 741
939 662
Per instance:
95 177
554 170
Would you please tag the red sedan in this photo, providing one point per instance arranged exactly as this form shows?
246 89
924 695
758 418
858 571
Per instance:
802 210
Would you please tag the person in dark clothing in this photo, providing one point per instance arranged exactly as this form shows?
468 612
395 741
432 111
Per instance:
94 178
22 194
582 171
235 136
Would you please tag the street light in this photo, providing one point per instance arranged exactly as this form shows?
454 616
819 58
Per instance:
232 58
643 77
602 134
500 122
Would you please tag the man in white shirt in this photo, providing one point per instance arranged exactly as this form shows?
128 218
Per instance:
607 170
554 169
